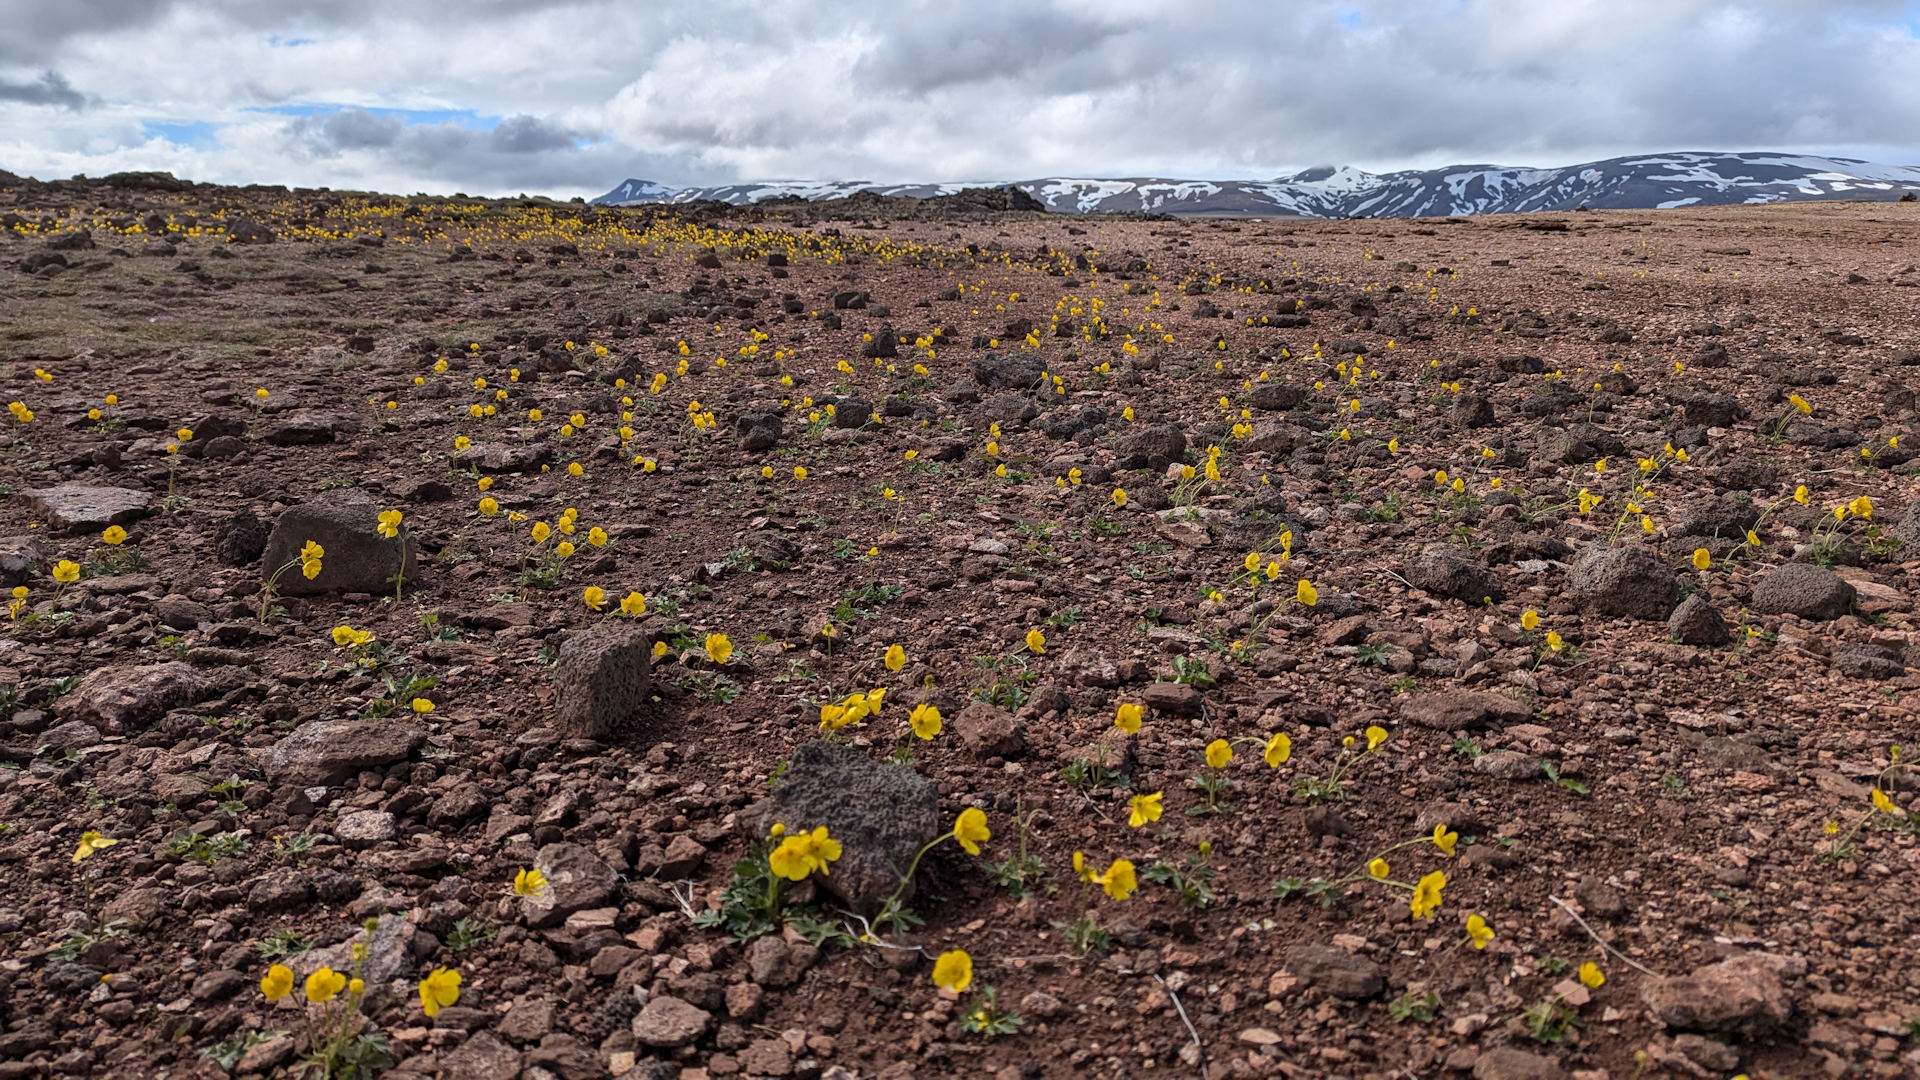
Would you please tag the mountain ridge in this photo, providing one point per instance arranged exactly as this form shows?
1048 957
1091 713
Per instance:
1633 182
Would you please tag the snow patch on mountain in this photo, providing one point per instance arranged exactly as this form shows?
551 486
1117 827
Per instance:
1648 181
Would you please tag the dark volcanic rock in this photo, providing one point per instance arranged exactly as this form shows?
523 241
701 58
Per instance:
881 814
1623 581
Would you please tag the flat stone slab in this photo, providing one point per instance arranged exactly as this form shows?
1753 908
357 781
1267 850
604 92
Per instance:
79 508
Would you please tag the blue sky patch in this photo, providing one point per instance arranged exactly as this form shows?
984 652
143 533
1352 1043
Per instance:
197 134
460 118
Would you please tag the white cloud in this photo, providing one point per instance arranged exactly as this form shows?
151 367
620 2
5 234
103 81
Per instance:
587 92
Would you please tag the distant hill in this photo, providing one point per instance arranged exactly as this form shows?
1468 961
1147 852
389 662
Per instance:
1647 181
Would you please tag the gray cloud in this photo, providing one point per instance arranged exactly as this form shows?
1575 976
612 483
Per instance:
51 88
703 91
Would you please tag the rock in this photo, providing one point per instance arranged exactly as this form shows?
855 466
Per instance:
683 857
1176 699
119 699
1506 1063
669 1022
527 1021
85 508
776 964
1696 622
241 539
218 985
358 559
1456 710
1713 410
324 752
1858 660
389 956
1906 530
280 890
767 1057
1577 444
1338 972
600 679
576 879
1740 995
881 814
265 1057
21 559
364 828
519 457
307 427
457 806
757 431
988 730
1707 1053
1472 411
177 612
1153 448
72 735
1453 571
1626 581
1803 589
1278 396
481 1057
1508 765
138 908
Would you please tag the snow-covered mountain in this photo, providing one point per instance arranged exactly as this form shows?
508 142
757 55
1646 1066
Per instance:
1642 182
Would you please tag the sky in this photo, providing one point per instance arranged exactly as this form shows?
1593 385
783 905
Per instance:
569 97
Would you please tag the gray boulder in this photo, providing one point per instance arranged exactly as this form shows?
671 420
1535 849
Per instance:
358 559
577 879
1695 622
325 752
79 508
1626 581
1805 590
1451 570
600 679
881 814
1741 995
757 431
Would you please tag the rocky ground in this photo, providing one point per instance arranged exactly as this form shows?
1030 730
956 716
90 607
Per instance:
1624 650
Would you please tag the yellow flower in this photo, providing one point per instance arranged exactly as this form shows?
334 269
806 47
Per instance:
574 469
1800 494
323 984
597 536
1444 840
1800 404
1479 931
1279 749
389 524
1375 736
1378 869
1426 894
529 882
766 472
1219 754
1119 497
1529 620
1036 641
1143 809
1862 507
896 658
719 648
1306 593
1702 558
422 706
789 860
1591 975
659 649
1119 880
348 638
595 597
1127 717
489 506
1554 640
541 530
66 571
90 842
1251 562
1081 869
799 472
925 720
115 535
970 829
439 990
953 971
1882 803
633 604
277 983
184 434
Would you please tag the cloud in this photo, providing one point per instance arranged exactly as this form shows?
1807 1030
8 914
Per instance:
51 88
589 92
